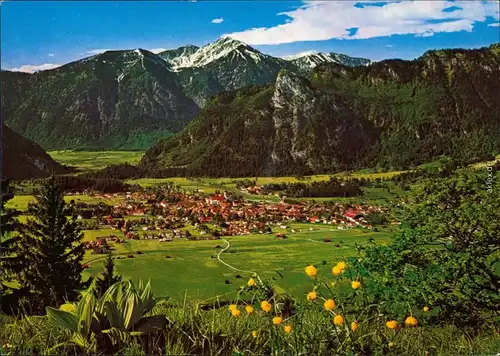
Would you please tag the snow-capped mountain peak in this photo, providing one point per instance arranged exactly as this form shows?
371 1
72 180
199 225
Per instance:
299 55
216 50
309 60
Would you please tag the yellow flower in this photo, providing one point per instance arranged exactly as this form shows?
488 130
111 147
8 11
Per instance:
354 325
249 309
254 333
288 329
392 324
341 265
233 307
355 284
391 344
337 271
266 306
329 304
251 282
311 270
426 309
235 312
338 320
311 296
411 321
277 320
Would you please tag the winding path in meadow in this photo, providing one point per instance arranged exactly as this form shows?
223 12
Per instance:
227 264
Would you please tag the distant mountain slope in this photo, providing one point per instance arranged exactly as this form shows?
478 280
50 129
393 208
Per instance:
178 57
229 64
129 99
268 130
226 64
23 159
392 113
113 100
445 102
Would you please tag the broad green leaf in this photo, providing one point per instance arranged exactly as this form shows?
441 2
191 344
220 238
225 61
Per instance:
62 319
86 308
118 336
113 314
132 310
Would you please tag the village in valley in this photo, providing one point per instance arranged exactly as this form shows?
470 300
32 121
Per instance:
169 214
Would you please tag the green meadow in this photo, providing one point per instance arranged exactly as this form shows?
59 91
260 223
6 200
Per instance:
191 268
94 160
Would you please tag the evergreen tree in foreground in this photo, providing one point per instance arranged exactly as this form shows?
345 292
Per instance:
108 277
51 249
9 264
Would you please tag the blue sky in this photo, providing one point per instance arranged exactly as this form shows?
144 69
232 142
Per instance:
43 34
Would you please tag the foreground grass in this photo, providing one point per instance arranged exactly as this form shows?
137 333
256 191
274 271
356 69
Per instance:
195 331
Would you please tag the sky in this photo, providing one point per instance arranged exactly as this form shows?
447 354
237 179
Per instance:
37 35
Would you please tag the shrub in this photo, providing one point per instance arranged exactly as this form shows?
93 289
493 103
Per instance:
447 255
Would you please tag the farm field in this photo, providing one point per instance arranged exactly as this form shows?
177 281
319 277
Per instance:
93 160
20 202
193 269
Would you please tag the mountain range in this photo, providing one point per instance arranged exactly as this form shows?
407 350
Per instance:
394 114
129 99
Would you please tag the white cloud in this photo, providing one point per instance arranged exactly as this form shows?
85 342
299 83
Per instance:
496 24
389 46
157 50
51 54
324 20
31 68
218 20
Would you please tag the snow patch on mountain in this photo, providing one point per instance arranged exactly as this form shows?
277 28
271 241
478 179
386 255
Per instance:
299 55
311 59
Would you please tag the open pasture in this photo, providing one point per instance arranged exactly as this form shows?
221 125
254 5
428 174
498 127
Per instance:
20 202
93 160
192 267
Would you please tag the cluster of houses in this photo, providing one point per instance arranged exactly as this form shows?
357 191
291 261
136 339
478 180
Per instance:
100 245
165 219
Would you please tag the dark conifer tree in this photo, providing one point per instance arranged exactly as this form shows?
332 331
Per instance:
9 264
51 249
108 277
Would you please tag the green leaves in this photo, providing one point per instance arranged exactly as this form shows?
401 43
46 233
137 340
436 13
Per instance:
63 319
133 309
442 259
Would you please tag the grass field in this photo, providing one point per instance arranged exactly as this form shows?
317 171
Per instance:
92 160
192 270
20 202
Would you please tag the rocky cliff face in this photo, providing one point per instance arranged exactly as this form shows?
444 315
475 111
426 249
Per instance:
285 128
23 159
